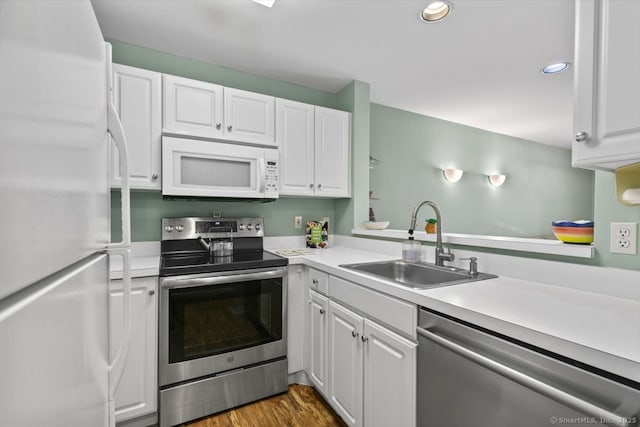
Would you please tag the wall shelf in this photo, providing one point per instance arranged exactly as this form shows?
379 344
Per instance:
521 244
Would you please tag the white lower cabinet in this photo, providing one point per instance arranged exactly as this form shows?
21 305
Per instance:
365 371
317 341
137 392
372 371
346 363
389 378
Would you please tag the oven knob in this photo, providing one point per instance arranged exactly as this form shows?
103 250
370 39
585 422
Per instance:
257 227
248 226
179 227
168 228
240 227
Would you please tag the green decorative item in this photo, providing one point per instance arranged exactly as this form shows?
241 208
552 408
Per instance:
317 234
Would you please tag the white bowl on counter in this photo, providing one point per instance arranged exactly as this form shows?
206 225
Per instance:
376 225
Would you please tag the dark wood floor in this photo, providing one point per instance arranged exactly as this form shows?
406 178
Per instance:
300 406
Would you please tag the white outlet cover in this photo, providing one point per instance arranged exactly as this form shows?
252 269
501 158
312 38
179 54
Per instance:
624 238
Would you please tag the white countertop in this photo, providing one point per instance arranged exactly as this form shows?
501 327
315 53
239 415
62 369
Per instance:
595 329
591 327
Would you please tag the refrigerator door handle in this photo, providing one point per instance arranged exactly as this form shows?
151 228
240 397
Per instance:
117 132
117 365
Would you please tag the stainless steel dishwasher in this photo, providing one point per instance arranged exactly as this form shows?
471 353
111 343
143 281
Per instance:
468 376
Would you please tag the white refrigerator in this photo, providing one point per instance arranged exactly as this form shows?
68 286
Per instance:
56 122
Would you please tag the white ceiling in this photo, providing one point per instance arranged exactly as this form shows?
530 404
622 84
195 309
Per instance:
479 67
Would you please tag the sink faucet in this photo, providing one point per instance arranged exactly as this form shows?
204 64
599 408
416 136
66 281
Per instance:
441 255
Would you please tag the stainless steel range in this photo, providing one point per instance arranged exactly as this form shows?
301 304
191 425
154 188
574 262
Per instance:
223 317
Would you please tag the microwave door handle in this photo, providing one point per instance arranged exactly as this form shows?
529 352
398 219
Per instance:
262 172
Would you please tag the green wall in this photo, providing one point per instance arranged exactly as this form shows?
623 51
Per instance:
413 149
355 98
148 208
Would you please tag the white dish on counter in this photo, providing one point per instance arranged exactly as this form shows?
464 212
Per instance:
376 225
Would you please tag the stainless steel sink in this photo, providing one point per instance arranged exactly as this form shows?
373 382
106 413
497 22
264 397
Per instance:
417 275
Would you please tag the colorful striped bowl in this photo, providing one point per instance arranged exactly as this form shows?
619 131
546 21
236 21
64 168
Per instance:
578 232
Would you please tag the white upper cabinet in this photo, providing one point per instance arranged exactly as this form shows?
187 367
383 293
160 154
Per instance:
207 110
249 117
192 107
332 169
138 102
314 150
295 137
607 84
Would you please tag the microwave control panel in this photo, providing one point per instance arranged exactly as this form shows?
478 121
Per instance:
272 186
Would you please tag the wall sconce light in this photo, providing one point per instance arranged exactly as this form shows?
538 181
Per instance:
452 175
496 179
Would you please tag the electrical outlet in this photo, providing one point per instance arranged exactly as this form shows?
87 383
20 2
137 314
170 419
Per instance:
297 222
624 238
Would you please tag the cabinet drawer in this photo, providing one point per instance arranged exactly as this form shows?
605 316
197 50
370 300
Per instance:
400 315
318 280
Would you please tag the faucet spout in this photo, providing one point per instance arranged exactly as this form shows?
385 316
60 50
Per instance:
441 255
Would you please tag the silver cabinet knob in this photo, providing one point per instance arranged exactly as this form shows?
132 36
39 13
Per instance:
354 333
218 125
154 176
319 186
582 136
322 311
364 339
229 128
310 185
151 292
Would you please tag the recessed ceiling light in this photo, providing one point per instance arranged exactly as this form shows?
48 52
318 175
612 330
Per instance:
435 11
555 68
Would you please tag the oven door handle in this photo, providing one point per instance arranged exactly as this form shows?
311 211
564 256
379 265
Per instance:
171 283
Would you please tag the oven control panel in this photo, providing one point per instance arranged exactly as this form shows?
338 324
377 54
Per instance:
211 227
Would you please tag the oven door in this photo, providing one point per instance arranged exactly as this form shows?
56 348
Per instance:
212 323
212 169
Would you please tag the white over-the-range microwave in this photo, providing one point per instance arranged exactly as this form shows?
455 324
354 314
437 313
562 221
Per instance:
203 168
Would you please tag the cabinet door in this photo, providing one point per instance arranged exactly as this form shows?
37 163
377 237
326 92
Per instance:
138 388
607 84
318 337
295 317
249 117
389 378
137 98
192 107
332 153
345 363
294 137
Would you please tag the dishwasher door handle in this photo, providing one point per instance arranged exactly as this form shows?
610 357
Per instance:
558 395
